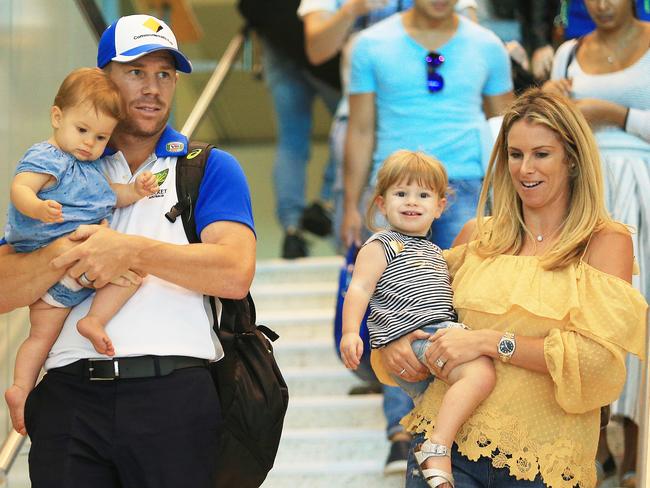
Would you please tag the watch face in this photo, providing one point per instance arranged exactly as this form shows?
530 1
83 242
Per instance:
506 346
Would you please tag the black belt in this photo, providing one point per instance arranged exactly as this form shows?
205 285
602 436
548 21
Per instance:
129 367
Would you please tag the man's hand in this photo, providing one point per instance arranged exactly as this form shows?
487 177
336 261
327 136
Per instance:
400 360
363 7
49 211
351 227
104 255
146 184
559 87
351 350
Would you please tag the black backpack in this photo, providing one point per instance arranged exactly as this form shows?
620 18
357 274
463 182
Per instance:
253 395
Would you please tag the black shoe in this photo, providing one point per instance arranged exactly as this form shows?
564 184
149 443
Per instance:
316 219
294 246
399 453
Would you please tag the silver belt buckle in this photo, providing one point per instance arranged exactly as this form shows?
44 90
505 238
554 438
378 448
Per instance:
116 369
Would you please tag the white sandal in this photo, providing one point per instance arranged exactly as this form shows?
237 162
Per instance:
433 476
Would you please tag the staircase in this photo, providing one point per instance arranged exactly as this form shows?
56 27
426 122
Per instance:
329 438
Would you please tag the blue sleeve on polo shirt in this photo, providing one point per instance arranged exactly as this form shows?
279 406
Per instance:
2 241
224 193
362 76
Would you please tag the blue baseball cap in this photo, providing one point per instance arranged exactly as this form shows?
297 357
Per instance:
133 36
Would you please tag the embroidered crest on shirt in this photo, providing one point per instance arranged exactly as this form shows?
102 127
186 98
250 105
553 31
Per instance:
174 147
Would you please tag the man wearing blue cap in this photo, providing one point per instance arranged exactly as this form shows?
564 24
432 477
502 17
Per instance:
149 417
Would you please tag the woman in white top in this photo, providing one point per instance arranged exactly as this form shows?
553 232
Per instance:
606 74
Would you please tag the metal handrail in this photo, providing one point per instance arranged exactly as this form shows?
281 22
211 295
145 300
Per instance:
9 451
214 83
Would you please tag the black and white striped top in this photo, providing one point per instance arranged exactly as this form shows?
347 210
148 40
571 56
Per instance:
413 291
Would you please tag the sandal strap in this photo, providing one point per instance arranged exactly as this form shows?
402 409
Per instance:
428 449
436 477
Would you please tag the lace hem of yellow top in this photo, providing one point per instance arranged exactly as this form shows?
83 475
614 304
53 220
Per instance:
563 465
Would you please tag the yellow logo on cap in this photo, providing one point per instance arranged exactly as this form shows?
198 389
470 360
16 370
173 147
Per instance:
151 23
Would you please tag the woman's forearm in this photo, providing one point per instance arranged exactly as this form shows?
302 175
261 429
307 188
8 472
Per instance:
529 351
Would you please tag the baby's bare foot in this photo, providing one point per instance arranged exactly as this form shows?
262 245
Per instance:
15 396
93 330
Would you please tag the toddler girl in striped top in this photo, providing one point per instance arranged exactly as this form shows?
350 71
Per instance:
404 279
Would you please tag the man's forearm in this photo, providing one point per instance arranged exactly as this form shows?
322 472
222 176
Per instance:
211 269
27 276
358 157
325 34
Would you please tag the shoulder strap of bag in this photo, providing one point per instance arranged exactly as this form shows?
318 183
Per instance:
239 315
571 57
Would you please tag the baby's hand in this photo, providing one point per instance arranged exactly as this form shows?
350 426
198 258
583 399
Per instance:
146 184
50 212
351 350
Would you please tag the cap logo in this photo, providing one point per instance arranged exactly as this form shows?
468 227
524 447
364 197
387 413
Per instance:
151 24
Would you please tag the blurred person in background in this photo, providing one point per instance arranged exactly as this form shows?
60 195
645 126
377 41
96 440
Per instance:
294 84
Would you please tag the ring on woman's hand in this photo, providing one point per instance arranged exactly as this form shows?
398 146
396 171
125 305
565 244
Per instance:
440 363
402 372
85 281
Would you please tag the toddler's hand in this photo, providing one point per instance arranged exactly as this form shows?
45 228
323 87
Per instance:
50 212
351 350
146 184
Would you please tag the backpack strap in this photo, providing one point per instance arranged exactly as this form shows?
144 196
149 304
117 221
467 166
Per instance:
239 316
189 173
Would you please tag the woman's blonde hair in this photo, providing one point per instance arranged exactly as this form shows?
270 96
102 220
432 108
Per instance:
407 166
505 231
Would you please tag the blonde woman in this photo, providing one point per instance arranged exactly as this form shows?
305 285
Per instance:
544 283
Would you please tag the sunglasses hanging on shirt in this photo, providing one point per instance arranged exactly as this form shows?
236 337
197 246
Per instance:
435 81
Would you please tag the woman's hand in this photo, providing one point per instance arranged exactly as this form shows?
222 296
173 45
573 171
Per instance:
559 87
452 347
399 359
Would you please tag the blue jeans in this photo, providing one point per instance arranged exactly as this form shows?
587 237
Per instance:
469 474
293 90
461 207
419 347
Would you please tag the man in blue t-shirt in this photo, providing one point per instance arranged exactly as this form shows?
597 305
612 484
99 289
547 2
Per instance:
424 80
156 421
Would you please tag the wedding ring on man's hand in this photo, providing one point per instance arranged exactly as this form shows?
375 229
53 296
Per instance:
440 363
402 372
84 281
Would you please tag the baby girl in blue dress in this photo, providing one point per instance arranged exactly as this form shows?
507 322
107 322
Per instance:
59 185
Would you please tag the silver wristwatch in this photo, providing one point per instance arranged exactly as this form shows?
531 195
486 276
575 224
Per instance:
506 347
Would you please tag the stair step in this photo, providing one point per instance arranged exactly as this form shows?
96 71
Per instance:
299 324
322 270
294 296
296 354
362 411
320 381
311 445
327 475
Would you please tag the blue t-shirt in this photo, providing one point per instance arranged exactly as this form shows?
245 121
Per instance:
81 188
449 125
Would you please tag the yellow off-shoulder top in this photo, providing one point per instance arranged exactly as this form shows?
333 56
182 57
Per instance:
540 423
